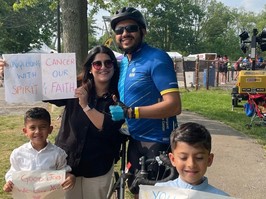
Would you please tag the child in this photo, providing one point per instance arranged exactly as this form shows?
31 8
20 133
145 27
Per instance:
39 153
191 155
261 105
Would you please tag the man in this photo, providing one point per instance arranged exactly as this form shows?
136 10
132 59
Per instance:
148 90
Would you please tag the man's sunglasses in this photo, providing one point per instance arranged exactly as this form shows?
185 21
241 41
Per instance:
98 64
130 28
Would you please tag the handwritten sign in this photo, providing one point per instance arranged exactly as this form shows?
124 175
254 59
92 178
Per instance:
38 184
36 77
156 192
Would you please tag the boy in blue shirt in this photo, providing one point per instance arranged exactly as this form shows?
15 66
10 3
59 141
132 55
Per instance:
191 155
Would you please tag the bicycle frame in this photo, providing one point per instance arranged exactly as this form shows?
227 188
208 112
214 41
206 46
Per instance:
120 180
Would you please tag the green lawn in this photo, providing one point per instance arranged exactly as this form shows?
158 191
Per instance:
214 104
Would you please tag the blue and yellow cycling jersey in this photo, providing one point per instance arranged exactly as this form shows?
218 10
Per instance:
149 75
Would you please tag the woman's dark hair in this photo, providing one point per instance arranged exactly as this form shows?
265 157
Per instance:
85 77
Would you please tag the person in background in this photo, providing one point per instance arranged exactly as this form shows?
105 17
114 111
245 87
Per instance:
237 67
39 153
225 66
261 102
191 155
247 63
220 66
148 88
231 70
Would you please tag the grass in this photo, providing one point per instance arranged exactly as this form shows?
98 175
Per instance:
214 104
11 137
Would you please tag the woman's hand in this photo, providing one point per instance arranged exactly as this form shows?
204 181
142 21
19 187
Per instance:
83 95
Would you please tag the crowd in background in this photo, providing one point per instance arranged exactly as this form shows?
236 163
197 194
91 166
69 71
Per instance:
224 66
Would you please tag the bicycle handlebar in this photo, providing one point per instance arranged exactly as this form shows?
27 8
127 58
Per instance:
141 176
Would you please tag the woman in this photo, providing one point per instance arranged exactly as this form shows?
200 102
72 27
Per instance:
87 133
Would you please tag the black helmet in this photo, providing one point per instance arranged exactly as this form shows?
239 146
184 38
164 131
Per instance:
128 13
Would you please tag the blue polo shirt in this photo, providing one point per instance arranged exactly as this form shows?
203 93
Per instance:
149 75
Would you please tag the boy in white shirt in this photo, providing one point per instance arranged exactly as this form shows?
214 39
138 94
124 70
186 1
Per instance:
39 153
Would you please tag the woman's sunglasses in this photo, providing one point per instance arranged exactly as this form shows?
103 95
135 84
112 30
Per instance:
130 28
98 64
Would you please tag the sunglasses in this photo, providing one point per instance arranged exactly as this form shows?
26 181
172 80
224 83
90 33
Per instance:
129 29
98 64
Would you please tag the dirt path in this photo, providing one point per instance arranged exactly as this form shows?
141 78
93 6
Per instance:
6 108
239 166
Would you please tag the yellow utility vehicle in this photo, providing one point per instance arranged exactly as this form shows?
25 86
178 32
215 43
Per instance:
248 82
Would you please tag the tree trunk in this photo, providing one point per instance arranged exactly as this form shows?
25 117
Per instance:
75 29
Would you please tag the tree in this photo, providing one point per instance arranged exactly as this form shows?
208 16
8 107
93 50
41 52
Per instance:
187 26
22 27
218 30
74 24
75 28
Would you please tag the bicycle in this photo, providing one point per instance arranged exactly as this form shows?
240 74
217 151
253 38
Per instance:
117 191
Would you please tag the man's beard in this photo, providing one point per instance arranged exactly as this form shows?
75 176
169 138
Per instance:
130 49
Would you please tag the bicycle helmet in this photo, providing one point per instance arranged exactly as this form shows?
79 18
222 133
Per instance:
128 13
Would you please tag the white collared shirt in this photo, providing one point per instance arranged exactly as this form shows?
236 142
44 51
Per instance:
26 158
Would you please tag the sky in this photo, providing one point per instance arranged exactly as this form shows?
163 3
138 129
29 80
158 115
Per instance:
249 5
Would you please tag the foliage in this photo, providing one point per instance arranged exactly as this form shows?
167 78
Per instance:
22 27
172 22
192 26
186 26
92 31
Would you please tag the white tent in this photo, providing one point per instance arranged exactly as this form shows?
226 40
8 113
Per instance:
43 49
117 54
175 55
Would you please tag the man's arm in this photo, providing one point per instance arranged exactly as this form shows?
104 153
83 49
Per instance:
169 106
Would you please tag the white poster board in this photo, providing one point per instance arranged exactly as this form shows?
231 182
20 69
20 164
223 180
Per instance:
36 77
38 184
157 192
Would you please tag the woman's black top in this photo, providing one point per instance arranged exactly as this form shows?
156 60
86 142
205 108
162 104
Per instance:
91 152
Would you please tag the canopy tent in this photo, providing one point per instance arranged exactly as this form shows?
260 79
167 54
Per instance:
43 49
203 56
175 55
117 54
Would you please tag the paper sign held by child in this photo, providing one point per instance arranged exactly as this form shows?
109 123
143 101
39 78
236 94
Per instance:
38 184
158 192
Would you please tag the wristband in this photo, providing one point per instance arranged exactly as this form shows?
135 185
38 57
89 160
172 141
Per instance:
87 108
132 116
136 112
